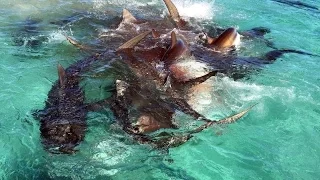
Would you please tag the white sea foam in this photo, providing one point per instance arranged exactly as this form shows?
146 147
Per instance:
202 10
193 68
226 96
56 37
111 152
124 3
253 92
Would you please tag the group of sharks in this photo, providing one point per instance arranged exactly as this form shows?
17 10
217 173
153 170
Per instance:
164 62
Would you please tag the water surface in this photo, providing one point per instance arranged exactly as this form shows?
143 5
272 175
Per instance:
278 139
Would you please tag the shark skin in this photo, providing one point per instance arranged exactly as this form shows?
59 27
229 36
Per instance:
63 119
155 102
145 70
62 122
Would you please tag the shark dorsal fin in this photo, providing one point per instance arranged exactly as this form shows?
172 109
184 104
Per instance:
61 74
173 39
134 41
177 49
127 17
227 39
173 11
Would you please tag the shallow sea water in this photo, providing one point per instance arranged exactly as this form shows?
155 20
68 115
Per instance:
278 139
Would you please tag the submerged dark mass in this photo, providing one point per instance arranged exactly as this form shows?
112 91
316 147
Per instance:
156 59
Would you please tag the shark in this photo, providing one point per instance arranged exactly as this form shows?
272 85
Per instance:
154 100
215 53
63 119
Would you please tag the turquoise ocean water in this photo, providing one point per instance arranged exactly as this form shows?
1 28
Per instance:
278 139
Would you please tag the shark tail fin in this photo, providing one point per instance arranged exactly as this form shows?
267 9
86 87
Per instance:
61 74
225 40
275 54
234 118
134 41
173 11
79 45
227 120
127 17
74 42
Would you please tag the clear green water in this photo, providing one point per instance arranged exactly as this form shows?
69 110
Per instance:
278 139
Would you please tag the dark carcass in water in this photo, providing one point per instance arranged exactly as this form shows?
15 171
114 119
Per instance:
63 120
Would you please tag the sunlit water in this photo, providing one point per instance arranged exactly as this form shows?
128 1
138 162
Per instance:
278 139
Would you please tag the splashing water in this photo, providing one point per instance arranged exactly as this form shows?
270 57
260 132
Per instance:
201 10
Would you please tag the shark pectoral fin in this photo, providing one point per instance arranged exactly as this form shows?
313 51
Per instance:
275 54
134 41
257 32
127 17
61 74
228 38
198 80
260 31
173 11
